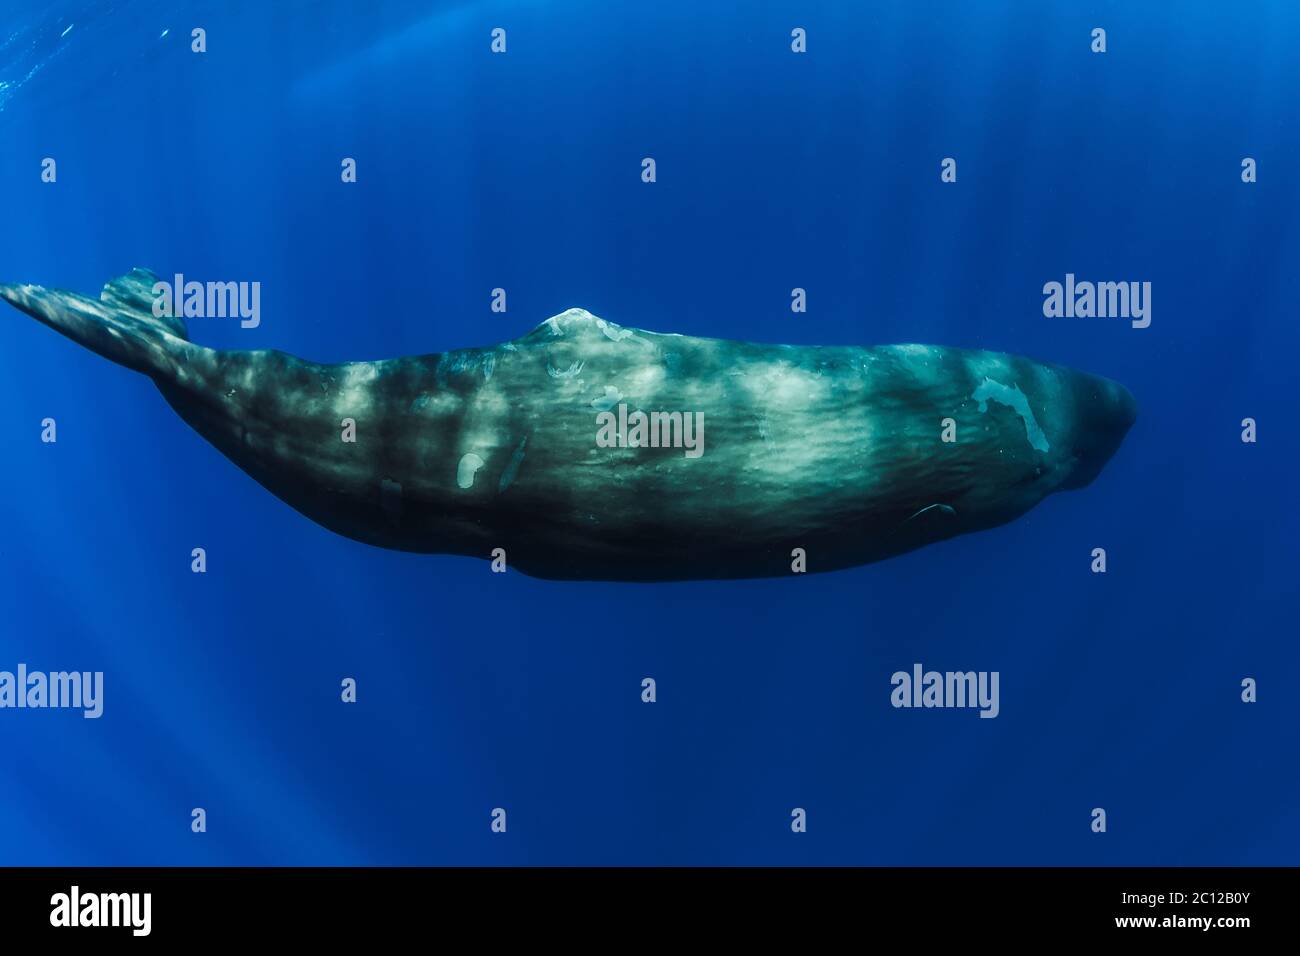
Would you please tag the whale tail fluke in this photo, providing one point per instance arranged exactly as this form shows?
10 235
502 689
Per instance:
120 325
133 294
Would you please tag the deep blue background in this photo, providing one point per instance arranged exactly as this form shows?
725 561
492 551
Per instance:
775 170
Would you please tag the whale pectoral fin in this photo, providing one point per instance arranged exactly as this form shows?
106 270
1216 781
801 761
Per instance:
119 326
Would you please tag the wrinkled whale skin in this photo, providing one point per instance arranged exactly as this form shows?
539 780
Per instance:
838 451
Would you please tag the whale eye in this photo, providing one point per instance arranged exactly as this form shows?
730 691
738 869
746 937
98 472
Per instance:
390 496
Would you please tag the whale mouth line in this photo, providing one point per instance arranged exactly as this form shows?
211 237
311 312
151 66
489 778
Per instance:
943 509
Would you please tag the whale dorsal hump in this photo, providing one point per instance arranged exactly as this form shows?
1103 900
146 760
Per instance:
579 325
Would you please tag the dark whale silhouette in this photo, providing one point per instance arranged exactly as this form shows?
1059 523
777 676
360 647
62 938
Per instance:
851 454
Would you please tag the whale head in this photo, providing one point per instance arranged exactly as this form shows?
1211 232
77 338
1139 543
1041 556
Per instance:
1103 413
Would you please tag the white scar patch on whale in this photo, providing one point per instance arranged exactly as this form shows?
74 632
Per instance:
1012 397
616 333
569 317
569 372
469 465
604 403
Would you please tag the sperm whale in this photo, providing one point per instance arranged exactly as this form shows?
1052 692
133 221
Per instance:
585 450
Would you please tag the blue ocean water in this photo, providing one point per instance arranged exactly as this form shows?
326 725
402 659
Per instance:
775 170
